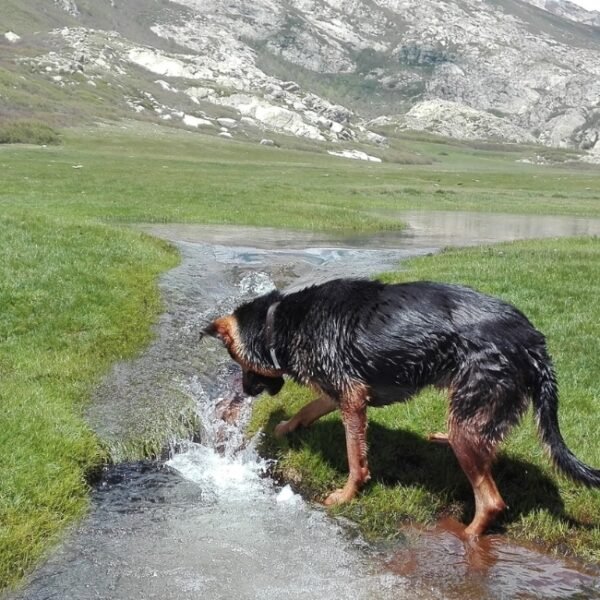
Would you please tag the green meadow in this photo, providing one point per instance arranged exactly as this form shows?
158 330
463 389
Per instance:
78 292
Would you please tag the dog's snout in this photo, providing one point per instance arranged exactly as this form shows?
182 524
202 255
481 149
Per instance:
254 384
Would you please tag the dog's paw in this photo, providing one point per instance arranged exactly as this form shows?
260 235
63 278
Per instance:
339 497
336 497
282 429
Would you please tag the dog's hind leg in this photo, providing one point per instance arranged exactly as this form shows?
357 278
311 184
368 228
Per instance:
306 415
475 459
439 438
354 416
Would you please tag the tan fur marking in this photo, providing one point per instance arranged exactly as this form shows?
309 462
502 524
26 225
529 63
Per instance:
307 415
228 331
354 415
476 462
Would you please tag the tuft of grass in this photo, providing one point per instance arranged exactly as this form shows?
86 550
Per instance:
25 131
556 283
74 297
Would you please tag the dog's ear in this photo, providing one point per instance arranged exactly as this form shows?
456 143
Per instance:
222 329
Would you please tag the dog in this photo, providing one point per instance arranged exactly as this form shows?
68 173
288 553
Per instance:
361 343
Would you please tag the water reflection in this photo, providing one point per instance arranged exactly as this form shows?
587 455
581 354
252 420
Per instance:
431 229
488 567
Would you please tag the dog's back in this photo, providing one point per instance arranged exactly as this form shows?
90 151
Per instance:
402 336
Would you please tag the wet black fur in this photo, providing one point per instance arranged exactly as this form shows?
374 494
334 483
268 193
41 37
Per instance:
255 384
397 339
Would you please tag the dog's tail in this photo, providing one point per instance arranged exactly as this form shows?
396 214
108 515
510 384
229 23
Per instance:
545 403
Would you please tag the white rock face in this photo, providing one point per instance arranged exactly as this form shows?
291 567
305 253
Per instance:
463 68
192 121
166 86
522 78
593 155
355 155
569 10
227 122
68 6
559 130
271 116
456 120
167 66
12 37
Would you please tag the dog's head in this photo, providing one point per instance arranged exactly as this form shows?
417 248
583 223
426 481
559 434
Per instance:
243 334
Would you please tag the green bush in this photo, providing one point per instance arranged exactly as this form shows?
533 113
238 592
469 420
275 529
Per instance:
27 132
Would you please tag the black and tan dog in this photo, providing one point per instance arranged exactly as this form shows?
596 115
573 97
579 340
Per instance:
362 343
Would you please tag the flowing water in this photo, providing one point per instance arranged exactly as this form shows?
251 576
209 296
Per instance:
208 523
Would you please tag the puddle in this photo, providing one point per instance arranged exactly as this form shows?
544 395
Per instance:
426 230
490 567
208 523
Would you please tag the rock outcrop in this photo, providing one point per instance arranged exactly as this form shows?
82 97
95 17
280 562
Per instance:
511 70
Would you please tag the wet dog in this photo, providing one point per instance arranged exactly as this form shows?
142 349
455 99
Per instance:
362 343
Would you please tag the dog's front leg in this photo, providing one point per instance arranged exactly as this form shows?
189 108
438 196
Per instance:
307 415
354 416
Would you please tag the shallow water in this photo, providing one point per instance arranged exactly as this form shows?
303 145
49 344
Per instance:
208 523
490 567
426 230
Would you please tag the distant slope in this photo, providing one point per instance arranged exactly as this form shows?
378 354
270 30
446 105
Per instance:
507 70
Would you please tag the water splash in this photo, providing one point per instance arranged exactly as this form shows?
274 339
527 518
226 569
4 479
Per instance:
255 283
225 462
222 477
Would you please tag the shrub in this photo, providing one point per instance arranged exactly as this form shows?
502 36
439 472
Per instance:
27 132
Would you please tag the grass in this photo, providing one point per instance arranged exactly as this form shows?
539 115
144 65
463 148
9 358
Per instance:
78 289
73 299
38 98
151 174
555 282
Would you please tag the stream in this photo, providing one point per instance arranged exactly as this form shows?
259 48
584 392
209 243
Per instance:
207 523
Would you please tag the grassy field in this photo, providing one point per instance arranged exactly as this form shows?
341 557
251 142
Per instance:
78 288
555 282
145 173
74 297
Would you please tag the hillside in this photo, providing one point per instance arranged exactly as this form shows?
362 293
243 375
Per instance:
324 70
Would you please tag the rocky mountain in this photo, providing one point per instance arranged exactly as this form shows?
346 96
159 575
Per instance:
329 70
569 10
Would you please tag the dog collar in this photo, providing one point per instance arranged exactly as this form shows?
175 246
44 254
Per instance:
270 327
